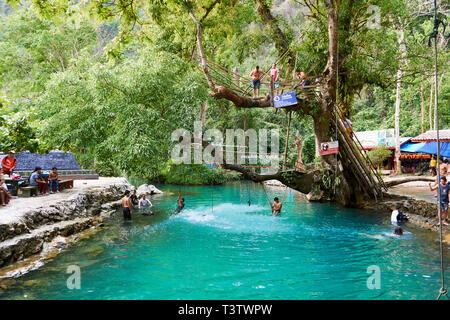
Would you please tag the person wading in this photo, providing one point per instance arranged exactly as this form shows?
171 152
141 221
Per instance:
276 206
127 206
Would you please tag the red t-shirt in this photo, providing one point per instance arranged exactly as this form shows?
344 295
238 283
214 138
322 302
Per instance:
8 164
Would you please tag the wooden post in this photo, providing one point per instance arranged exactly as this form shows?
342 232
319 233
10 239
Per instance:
299 166
422 104
287 141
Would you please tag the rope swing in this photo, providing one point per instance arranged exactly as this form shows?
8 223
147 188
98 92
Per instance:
437 22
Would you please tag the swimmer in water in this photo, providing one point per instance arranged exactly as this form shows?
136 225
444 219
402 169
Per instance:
276 206
397 232
180 202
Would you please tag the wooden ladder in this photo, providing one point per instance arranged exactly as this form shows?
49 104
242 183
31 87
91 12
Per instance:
352 151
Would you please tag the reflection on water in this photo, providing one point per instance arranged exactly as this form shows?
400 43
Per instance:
220 248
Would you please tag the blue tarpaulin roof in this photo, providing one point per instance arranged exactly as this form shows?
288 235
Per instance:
428 147
412 147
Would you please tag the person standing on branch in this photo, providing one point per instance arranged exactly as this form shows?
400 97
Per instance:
275 74
256 80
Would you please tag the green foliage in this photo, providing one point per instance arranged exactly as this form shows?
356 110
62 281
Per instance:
121 115
16 133
112 90
31 50
195 174
379 154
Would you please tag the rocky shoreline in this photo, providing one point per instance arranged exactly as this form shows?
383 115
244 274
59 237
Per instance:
423 213
41 229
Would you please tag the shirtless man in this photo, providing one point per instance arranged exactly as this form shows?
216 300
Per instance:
180 202
127 206
276 206
256 80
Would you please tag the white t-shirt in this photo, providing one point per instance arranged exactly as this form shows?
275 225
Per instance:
144 203
394 216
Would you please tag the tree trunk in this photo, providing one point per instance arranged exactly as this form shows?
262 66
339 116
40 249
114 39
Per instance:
398 166
430 112
287 141
299 166
203 113
422 104
354 180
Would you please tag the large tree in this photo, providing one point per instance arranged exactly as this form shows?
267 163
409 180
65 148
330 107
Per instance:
336 43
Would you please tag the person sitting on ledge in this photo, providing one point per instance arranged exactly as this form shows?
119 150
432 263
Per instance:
53 180
5 196
9 163
303 78
37 180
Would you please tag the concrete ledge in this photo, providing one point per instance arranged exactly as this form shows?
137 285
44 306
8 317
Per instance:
27 224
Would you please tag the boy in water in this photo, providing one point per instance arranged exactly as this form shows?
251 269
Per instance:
276 206
146 205
180 202
127 206
444 189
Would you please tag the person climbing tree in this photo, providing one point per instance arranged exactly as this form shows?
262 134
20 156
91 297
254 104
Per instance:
256 80
303 78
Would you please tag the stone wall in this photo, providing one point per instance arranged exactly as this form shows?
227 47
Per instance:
19 240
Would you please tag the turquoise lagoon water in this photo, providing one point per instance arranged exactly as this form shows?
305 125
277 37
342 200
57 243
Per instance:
221 248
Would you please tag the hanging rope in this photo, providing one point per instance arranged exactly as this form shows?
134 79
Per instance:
264 189
437 22
248 191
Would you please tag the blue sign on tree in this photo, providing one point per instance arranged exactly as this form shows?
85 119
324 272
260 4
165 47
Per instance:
285 100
